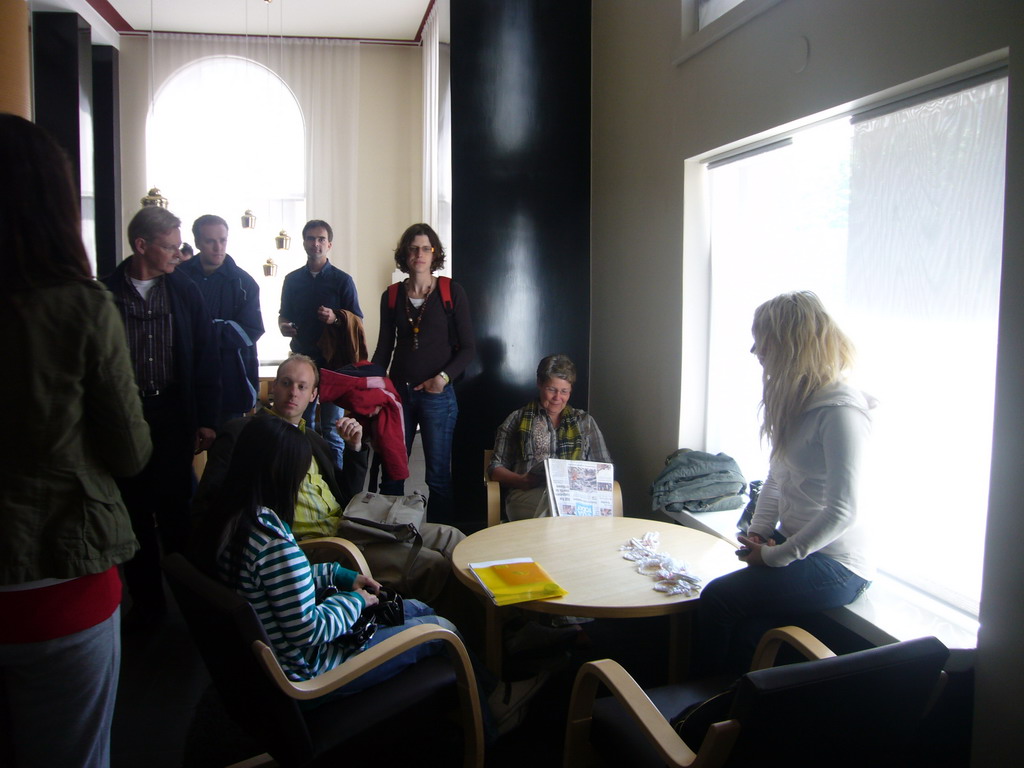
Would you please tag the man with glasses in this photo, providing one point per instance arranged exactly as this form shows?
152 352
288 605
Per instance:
177 370
312 298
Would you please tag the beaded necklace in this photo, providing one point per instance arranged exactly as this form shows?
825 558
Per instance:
408 313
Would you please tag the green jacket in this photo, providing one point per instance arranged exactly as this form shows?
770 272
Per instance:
72 420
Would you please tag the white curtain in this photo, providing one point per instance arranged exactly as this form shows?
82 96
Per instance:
323 75
430 123
437 173
444 154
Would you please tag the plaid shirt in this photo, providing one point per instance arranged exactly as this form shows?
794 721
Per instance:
150 334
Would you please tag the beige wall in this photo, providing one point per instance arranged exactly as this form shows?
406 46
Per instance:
390 166
134 98
637 190
649 117
15 96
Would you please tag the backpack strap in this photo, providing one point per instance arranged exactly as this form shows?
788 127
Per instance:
444 286
393 296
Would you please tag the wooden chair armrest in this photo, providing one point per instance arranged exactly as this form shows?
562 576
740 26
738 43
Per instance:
493 503
363 662
800 639
645 716
333 549
493 492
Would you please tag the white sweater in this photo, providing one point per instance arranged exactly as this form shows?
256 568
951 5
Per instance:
811 494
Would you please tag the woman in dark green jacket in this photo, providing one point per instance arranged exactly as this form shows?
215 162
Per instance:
72 420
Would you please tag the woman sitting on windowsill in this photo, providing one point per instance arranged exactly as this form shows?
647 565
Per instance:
804 550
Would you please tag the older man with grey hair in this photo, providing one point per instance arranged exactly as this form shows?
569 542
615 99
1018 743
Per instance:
177 369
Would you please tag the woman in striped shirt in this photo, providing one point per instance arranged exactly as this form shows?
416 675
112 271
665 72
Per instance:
246 542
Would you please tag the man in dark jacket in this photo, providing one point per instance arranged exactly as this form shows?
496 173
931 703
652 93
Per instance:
233 300
177 369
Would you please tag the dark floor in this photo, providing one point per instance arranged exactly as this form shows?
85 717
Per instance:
168 715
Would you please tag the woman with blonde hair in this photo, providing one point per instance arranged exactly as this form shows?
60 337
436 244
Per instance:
804 550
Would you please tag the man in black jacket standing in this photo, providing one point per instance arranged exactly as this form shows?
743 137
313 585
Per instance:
233 299
177 369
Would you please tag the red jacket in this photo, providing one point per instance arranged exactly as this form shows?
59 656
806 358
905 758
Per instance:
368 395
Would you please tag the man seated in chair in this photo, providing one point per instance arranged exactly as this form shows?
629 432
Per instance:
308 611
323 493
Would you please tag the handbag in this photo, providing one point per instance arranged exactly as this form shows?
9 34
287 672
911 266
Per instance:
386 530
390 608
389 510
388 612
748 512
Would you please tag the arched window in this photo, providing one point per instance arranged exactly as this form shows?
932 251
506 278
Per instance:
226 135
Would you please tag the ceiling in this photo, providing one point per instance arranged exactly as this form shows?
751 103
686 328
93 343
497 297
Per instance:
374 20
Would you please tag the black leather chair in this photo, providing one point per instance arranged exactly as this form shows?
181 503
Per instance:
260 698
856 709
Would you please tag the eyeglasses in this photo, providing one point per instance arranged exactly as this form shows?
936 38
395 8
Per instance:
165 247
552 391
414 249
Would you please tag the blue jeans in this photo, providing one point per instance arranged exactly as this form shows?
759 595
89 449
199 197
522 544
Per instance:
436 415
415 613
329 413
60 696
736 609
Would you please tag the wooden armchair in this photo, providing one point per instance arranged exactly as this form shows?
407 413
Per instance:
856 709
259 696
494 500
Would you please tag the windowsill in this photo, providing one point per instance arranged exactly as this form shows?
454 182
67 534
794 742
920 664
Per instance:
888 612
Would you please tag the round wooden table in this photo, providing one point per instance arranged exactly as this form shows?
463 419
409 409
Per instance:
582 555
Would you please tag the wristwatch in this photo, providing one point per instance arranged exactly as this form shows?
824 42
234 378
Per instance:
446 377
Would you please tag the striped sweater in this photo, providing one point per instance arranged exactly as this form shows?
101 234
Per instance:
279 582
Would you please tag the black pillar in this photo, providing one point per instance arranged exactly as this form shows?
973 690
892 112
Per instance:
62 75
520 84
57 78
107 157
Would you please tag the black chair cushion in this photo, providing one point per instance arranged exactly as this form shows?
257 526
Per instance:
341 718
857 709
848 710
224 625
619 742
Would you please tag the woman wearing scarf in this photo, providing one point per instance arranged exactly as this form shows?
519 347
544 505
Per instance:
546 428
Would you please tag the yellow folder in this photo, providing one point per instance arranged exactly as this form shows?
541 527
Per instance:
515 581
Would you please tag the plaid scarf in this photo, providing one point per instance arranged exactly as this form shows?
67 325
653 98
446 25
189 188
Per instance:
535 447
